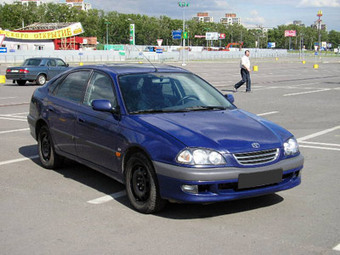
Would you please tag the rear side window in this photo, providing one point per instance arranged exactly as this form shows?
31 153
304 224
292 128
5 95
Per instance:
32 62
73 86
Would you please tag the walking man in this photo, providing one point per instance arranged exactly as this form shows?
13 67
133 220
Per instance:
245 72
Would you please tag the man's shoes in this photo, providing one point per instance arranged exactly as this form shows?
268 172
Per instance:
248 91
235 89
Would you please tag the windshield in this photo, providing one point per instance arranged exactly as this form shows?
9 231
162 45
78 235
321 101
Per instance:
32 62
169 92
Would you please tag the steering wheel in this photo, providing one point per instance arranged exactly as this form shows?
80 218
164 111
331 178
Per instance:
188 97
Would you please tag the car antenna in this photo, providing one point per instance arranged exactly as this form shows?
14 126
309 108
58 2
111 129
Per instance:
156 70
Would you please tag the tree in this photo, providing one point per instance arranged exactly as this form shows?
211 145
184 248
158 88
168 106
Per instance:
334 38
149 29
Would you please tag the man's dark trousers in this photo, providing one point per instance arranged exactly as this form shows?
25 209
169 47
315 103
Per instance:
245 79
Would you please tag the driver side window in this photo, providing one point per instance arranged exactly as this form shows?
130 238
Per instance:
100 87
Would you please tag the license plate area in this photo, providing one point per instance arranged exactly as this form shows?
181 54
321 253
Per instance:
253 180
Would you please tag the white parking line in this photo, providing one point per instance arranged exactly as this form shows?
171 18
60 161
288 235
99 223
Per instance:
318 134
14 114
3 98
306 92
318 147
267 113
14 130
12 118
325 144
337 248
107 198
7 162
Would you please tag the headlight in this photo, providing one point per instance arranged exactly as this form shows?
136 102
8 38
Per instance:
291 147
200 157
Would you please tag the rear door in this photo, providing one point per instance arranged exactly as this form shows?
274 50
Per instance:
62 107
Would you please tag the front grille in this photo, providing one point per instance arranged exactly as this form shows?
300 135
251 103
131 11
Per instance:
256 157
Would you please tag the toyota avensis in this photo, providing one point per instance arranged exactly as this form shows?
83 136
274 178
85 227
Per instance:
164 132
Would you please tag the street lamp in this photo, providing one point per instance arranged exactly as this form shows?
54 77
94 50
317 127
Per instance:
183 5
107 23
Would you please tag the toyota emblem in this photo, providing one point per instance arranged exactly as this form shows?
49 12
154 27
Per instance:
256 145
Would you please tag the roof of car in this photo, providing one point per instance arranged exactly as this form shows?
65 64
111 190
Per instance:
136 68
45 58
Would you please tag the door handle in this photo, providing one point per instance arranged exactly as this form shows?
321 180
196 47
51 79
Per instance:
81 120
51 109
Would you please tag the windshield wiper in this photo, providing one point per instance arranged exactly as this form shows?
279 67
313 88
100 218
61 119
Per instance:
188 109
151 111
204 108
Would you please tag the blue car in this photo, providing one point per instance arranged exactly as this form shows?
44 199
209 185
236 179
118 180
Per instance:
164 132
36 69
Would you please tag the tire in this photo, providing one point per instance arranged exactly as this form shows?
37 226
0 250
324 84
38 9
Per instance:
41 79
21 82
142 186
48 158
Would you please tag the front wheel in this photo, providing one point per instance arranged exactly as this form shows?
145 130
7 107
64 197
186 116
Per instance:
142 186
49 159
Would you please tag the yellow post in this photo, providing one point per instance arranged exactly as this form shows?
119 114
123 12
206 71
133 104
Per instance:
81 63
255 68
316 66
304 62
276 59
2 79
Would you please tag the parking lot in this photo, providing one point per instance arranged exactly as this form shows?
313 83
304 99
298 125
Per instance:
76 210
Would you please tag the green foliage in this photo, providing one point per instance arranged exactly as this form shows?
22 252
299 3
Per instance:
148 29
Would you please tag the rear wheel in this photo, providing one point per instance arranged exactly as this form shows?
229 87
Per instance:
49 159
141 185
21 83
41 79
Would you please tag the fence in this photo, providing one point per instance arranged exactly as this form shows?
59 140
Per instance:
138 53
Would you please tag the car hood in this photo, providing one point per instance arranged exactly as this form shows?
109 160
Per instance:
228 131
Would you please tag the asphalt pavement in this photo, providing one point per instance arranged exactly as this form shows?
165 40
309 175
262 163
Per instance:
76 210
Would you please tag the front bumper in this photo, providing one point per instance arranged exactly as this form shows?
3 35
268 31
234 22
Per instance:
221 184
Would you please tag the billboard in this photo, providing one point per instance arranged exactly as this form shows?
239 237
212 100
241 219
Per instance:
72 30
210 36
271 45
177 34
290 33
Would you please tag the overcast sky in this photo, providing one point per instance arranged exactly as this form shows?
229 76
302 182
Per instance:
268 13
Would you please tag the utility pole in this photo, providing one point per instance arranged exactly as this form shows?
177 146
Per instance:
319 28
107 23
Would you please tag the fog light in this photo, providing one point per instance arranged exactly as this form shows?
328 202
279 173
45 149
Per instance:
192 189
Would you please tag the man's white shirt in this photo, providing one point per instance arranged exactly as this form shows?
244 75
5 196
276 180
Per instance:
245 62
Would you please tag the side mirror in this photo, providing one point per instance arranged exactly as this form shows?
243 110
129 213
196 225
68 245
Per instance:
230 98
103 105
67 65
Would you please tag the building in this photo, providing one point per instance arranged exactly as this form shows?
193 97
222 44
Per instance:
203 17
230 19
26 2
298 23
79 4
316 26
